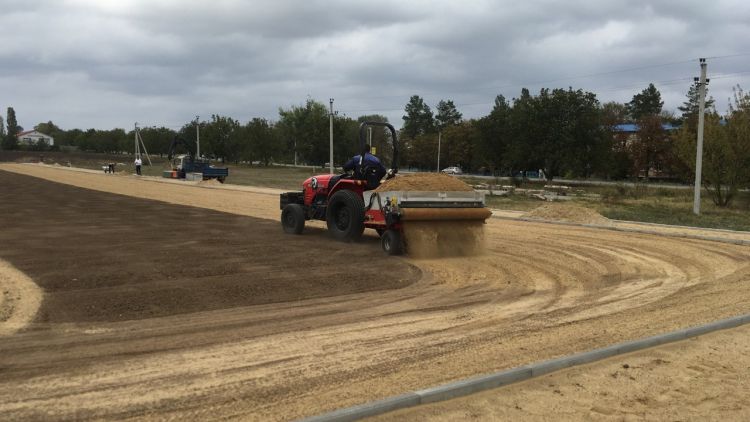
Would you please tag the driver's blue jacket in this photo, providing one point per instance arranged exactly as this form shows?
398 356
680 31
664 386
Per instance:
369 160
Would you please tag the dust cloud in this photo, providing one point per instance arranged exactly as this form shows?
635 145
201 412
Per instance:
438 239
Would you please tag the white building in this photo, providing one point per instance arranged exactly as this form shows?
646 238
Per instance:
32 137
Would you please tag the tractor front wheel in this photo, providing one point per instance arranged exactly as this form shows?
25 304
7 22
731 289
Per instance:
391 242
345 215
293 218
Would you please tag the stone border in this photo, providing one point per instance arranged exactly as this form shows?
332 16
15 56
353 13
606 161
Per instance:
513 375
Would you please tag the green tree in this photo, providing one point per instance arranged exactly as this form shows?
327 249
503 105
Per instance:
522 134
457 147
494 137
558 131
613 114
649 148
647 102
726 150
418 119
10 141
219 138
263 141
424 152
689 108
156 140
50 129
447 115
304 130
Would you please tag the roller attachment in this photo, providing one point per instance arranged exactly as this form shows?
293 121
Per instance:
443 214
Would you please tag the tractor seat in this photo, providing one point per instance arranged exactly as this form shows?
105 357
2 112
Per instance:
372 175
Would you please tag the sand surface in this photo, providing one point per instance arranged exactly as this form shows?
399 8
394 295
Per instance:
538 291
704 378
567 213
20 299
427 182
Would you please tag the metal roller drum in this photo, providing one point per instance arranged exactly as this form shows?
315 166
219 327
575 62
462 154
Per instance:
444 214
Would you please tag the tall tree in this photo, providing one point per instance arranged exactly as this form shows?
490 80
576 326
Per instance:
649 148
689 108
49 128
447 115
726 150
458 144
305 131
647 102
10 141
263 142
418 119
613 114
494 137
219 138
522 133
156 139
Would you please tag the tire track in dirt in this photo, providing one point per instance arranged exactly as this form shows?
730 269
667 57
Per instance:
540 291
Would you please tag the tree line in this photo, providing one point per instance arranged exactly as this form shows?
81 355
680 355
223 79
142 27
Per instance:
562 132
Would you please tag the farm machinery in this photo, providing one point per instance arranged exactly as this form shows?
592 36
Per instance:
185 165
350 203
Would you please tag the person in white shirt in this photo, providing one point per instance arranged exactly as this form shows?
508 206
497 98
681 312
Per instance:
138 163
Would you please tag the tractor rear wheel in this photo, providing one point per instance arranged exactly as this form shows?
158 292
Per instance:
293 218
345 215
391 242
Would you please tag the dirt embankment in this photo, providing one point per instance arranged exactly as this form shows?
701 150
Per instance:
427 182
567 213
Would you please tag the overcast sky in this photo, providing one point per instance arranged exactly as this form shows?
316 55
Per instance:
110 63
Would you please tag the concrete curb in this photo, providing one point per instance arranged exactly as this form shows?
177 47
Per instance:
632 230
510 376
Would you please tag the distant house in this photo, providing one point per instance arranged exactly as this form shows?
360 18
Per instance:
627 133
32 137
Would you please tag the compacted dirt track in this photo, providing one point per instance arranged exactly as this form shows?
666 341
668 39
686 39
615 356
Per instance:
265 326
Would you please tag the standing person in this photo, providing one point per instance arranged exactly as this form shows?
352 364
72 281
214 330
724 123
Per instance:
138 163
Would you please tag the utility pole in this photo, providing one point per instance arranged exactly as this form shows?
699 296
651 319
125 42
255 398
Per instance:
137 149
369 135
440 134
197 137
330 121
699 153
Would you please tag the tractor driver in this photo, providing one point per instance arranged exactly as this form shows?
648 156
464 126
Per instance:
366 167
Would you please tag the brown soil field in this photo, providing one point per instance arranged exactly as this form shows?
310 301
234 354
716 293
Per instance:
158 311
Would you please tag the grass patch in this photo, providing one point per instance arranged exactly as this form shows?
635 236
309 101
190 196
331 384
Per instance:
677 212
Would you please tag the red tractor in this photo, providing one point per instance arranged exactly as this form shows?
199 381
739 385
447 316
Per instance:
349 204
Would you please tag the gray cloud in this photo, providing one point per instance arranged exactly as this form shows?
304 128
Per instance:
88 63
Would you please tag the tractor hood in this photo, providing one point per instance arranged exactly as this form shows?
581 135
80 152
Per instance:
318 182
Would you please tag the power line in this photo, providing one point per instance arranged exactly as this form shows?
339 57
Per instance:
565 78
634 85
728 56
